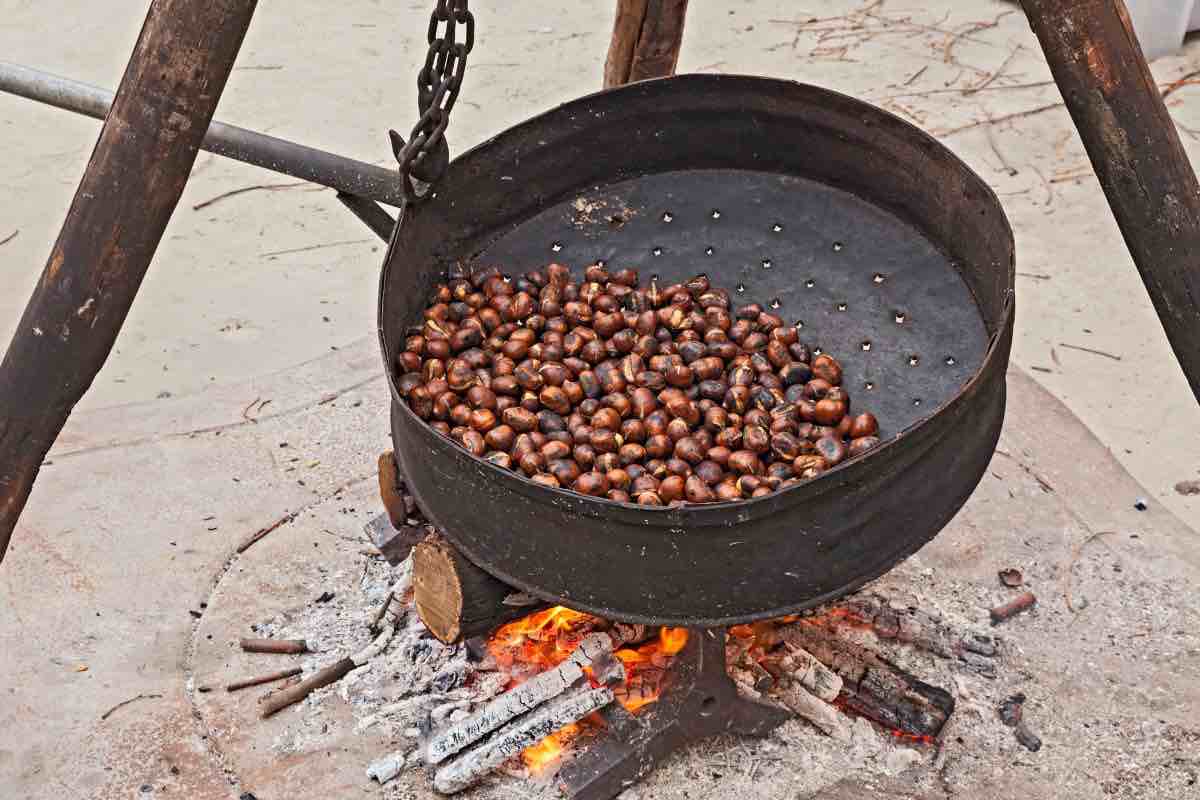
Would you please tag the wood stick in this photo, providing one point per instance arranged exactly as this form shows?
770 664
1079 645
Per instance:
517 701
1022 602
1135 149
815 710
474 764
647 35
331 674
245 683
456 599
132 183
627 28
276 646
804 667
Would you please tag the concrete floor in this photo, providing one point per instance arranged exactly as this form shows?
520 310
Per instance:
117 545
339 80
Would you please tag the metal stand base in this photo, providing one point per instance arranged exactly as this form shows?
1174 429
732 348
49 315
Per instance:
701 701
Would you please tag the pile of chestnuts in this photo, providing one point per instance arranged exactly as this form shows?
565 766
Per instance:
656 395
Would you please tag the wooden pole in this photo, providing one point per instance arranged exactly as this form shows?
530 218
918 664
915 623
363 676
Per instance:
126 196
647 35
1136 153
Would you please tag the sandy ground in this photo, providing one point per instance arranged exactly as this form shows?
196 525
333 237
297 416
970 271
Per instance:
223 304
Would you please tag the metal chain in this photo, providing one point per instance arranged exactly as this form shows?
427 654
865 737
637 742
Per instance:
426 155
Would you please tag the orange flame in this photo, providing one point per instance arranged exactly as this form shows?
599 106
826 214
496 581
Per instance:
544 640
546 752
672 640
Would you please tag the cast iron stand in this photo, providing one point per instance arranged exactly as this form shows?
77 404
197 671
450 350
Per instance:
700 701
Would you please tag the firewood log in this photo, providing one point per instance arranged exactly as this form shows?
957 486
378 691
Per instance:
456 599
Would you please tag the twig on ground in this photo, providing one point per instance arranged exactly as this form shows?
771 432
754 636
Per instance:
1175 85
1089 350
986 82
265 187
10 237
124 703
285 519
245 683
1037 276
915 75
996 120
971 29
313 247
245 411
1008 168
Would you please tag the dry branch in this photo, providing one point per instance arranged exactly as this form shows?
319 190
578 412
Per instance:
261 679
275 646
331 674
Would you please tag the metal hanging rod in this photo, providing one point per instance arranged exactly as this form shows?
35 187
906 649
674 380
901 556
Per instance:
346 175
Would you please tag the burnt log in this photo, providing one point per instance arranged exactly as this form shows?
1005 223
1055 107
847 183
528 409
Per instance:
519 700
554 716
456 599
647 35
128 192
874 688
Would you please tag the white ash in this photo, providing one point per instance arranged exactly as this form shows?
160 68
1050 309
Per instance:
396 694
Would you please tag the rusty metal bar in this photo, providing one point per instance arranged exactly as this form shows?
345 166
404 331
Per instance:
269 152
1136 153
132 184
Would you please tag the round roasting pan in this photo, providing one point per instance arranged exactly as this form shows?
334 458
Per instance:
887 250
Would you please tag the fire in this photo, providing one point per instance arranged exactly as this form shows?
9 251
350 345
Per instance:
541 641
541 755
672 640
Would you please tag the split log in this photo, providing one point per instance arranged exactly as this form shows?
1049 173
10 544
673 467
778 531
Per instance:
647 35
554 716
517 701
456 599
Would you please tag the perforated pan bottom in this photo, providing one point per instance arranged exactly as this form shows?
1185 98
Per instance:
859 283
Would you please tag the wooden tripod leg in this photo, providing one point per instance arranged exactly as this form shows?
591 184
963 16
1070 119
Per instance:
1136 152
646 39
130 188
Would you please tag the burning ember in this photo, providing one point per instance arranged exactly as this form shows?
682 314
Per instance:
542 641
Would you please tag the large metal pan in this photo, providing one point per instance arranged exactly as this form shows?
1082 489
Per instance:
890 252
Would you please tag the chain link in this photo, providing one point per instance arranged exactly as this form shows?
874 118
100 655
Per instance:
426 155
